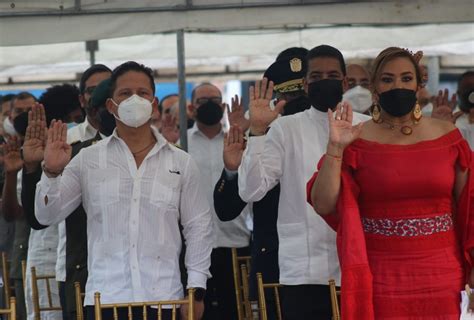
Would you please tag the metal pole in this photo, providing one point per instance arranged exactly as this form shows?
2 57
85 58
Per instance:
183 121
433 75
92 57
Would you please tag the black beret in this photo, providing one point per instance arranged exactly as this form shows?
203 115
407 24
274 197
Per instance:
100 94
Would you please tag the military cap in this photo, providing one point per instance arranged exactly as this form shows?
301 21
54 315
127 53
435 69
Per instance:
287 73
100 94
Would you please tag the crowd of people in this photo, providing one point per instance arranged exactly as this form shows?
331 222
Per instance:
334 172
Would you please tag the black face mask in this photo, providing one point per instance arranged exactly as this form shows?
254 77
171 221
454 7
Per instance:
466 99
106 121
209 113
325 94
398 102
297 105
20 123
190 123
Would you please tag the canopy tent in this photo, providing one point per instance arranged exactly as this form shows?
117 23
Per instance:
44 40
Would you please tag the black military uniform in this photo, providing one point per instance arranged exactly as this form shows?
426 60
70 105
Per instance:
287 74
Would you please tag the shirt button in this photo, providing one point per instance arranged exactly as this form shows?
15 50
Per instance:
135 199
78 266
264 249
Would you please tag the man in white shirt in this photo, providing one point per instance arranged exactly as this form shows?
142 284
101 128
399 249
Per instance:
136 189
288 154
206 145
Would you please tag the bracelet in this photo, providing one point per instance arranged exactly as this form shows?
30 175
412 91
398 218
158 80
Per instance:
52 173
338 158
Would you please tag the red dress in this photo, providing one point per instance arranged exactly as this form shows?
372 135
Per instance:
401 237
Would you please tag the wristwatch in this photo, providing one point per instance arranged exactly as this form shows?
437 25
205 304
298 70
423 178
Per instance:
199 294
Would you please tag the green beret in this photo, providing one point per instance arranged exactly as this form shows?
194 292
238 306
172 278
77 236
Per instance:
100 94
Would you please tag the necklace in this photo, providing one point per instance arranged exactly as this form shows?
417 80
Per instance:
404 128
137 152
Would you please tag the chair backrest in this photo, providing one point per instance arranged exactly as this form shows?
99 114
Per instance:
244 311
79 301
10 312
6 279
98 307
23 273
334 300
37 308
262 305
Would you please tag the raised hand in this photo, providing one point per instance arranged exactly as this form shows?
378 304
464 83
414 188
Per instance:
237 114
341 131
233 148
12 158
443 107
169 128
35 138
57 152
261 115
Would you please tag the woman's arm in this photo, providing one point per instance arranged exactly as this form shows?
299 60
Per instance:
325 191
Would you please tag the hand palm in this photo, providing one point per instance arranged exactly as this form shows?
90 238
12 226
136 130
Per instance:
33 150
56 155
12 161
233 155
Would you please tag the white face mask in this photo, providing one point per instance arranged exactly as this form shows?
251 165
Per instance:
360 98
9 128
134 111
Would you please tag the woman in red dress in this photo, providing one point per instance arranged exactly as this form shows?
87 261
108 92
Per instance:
397 191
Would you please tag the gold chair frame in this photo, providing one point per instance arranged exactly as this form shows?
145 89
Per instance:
7 288
261 297
98 307
35 293
240 267
11 310
79 301
336 314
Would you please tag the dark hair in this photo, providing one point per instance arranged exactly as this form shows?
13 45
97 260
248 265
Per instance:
130 66
389 54
23 96
59 101
160 105
291 52
324 51
96 68
7 97
193 93
469 73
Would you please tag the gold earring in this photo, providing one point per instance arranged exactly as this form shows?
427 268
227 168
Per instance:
417 113
376 114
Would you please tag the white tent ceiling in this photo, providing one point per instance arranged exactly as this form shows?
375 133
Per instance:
43 40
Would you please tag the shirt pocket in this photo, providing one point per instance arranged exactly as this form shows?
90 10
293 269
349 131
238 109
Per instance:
104 186
165 191
293 248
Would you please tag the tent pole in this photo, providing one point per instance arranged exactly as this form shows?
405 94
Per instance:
183 122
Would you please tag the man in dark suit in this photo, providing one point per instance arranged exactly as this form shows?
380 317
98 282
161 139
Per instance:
76 223
287 74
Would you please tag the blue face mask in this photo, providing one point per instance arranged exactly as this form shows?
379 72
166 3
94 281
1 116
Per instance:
71 125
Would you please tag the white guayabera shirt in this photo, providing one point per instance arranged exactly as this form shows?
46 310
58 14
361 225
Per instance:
289 154
133 232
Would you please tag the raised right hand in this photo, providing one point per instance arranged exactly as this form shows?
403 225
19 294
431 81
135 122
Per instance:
57 152
341 131
12 159
35 138
261 115
233 148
